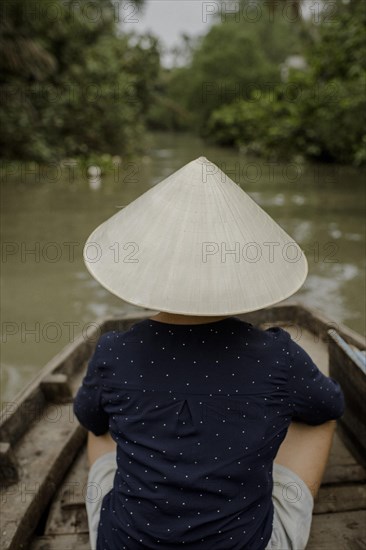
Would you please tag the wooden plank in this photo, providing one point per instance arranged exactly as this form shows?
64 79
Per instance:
8 465
67 514
79 541
353 382
342 467
43 455
340 531
56 388
18 415
340 498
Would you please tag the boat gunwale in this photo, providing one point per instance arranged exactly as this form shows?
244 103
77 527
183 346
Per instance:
62 363
294 312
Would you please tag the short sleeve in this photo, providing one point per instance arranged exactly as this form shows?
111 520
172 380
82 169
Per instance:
315 397
87 403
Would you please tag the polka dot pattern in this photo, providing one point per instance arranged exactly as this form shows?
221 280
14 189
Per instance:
198 413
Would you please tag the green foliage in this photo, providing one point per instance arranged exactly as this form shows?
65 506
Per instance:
86 89
238 54
320 112
166 111
259 126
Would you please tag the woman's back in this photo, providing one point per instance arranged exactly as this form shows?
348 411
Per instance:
198 413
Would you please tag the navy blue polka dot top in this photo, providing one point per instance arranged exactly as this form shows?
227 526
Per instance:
198 413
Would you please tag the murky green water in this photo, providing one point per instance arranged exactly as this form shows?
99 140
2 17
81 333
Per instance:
48 297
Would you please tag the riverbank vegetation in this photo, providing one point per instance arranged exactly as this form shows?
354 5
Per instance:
238 90
72 82
265 79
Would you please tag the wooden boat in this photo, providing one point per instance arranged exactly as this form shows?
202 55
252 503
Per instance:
43 456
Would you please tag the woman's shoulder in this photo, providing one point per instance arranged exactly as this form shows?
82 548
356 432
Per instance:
105 339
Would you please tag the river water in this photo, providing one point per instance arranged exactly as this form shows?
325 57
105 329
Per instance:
48 296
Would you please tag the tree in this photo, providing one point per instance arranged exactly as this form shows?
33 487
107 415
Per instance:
239 53
320 112
72 83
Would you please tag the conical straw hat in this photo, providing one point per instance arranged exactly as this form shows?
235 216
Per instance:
196 244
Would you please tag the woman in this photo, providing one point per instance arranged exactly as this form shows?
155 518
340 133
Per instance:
205 432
